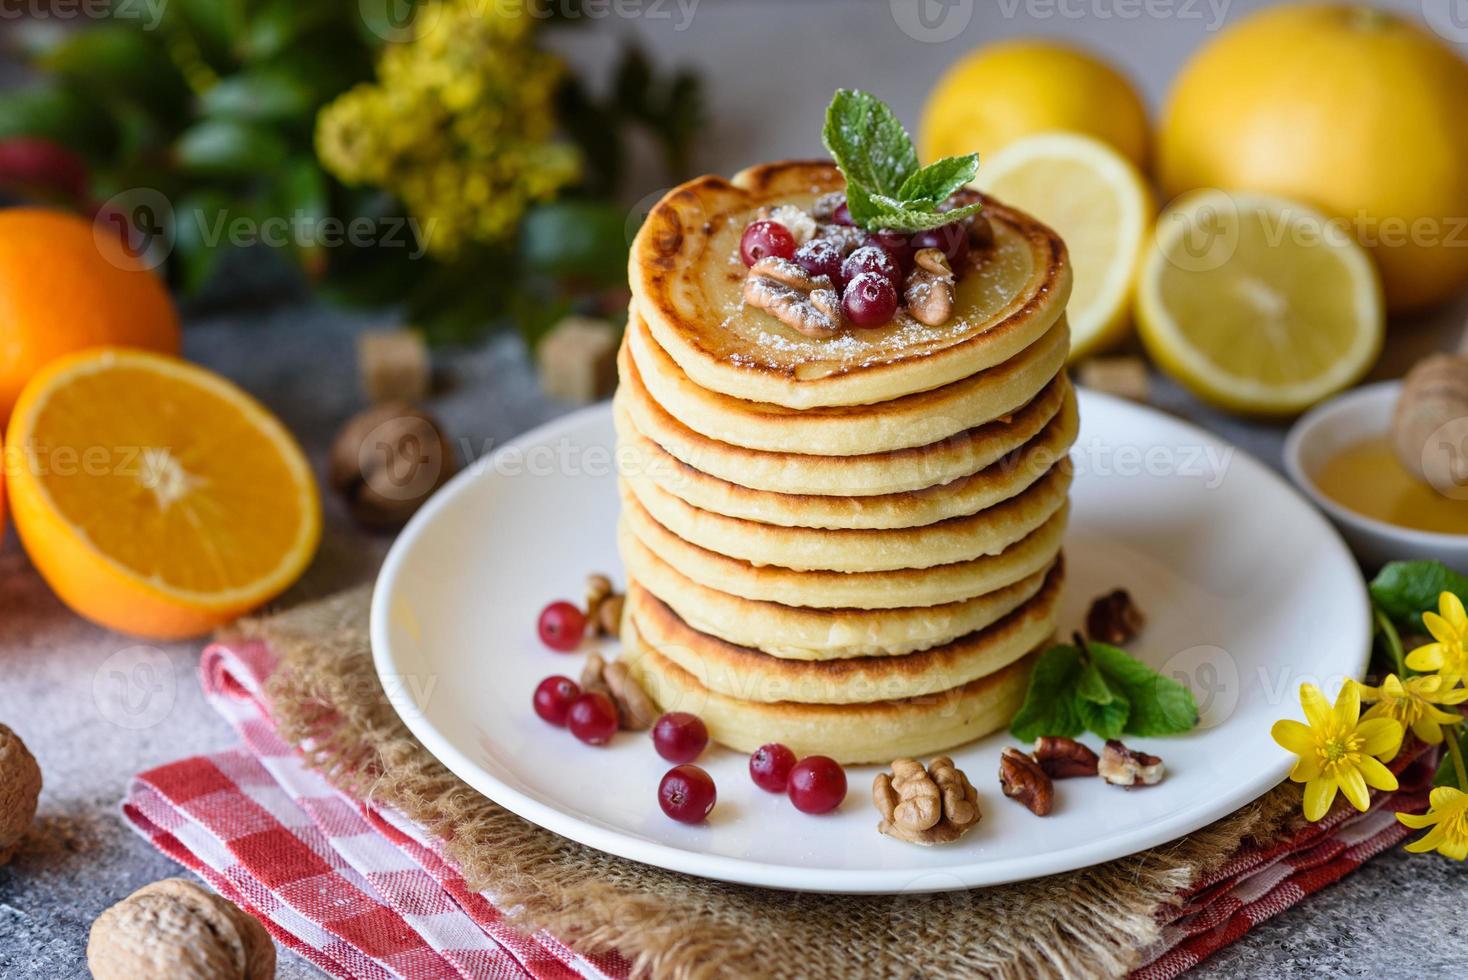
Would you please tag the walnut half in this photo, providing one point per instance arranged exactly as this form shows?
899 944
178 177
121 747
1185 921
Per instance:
793 296
635 711
178 929
1022 779
930 292
1121 766
925 806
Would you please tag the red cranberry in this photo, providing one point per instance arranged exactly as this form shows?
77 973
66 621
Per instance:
765 238
870 300
895 244
679 736
951 239
770 765
687 794
553 698
821 257
593 718
817 784
871 258
561 626
842 215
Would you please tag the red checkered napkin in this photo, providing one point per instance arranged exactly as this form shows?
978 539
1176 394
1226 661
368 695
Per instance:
361 892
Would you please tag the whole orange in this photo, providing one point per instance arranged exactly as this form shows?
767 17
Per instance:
1357 110
64 289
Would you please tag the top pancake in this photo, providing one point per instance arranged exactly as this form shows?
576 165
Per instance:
687 278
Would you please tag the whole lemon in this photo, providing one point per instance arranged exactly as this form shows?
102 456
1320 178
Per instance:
64 288
1357 110
1002 92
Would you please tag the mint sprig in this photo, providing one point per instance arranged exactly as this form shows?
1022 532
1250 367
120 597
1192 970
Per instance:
885 187
1100 688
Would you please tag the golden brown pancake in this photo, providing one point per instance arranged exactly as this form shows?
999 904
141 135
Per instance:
686 279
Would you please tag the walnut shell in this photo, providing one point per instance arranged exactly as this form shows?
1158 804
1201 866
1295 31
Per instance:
180 930
387 461
20 788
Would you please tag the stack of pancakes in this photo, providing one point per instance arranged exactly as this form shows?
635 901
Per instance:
849 545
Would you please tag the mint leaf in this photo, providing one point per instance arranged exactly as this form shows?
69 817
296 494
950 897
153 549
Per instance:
910 221
1050 705
868 143
1159 705
1102 709
1404 590
936 182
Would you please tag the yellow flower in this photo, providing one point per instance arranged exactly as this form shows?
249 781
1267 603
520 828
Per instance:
1448 818
1338 750
1449 627
1414 704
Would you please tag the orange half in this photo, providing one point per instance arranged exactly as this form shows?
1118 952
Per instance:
155 497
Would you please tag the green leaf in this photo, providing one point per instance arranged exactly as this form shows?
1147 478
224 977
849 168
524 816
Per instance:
1102 709
1447 771
1050 704
868 143
59 113
259 95
120 63
1159 705
1404 590
581 239
229 148
937 181
911 221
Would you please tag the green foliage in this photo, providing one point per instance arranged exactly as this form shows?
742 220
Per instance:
1404 590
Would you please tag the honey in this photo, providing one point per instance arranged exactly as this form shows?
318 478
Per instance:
1365 477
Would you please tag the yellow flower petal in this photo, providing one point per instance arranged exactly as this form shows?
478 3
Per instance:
1353 785
1293 735
1317 709
1447 797
1427 842
1417 820
1381 737
1306 768
1440 628
1429 730
1347 709
1319 795
1426 657
1455 849
1452 610
1377 776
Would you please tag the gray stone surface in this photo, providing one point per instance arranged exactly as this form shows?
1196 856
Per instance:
771 65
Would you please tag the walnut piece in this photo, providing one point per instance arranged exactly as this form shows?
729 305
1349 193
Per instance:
178 929
1121 766
1114 618
1023 780
929 806
20 788
1064 758
387 461
806 303
930 292
635 710
603 606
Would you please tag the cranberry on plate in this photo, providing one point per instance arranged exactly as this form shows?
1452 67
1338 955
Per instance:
895 244
593 718
561 626
951 239
770 765
687 794
553 697
765 238
679 736
870 299
817 784
870 258
821 257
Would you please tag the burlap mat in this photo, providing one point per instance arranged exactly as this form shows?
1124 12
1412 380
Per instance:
1097 922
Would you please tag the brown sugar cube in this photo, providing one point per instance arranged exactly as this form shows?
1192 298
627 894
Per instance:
578 360
394 365
1125 377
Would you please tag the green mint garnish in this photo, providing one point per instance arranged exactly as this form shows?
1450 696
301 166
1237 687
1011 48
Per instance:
885 187
1095 687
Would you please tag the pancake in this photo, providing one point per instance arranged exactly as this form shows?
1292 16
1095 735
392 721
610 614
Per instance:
902 588
802 633
866 474
686 277
849 733
910 508
958 539
846 430
751 675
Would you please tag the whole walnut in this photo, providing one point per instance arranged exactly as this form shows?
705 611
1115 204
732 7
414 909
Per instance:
178 929
387 461
20 788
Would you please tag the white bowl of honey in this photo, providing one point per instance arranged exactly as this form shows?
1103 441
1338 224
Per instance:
1340 455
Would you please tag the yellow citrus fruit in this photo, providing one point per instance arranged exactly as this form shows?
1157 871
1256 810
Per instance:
1002 92
154 496
1100 205
1356 110
64 288
1258 304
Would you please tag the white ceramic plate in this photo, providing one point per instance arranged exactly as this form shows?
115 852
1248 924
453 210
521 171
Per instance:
1248 592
